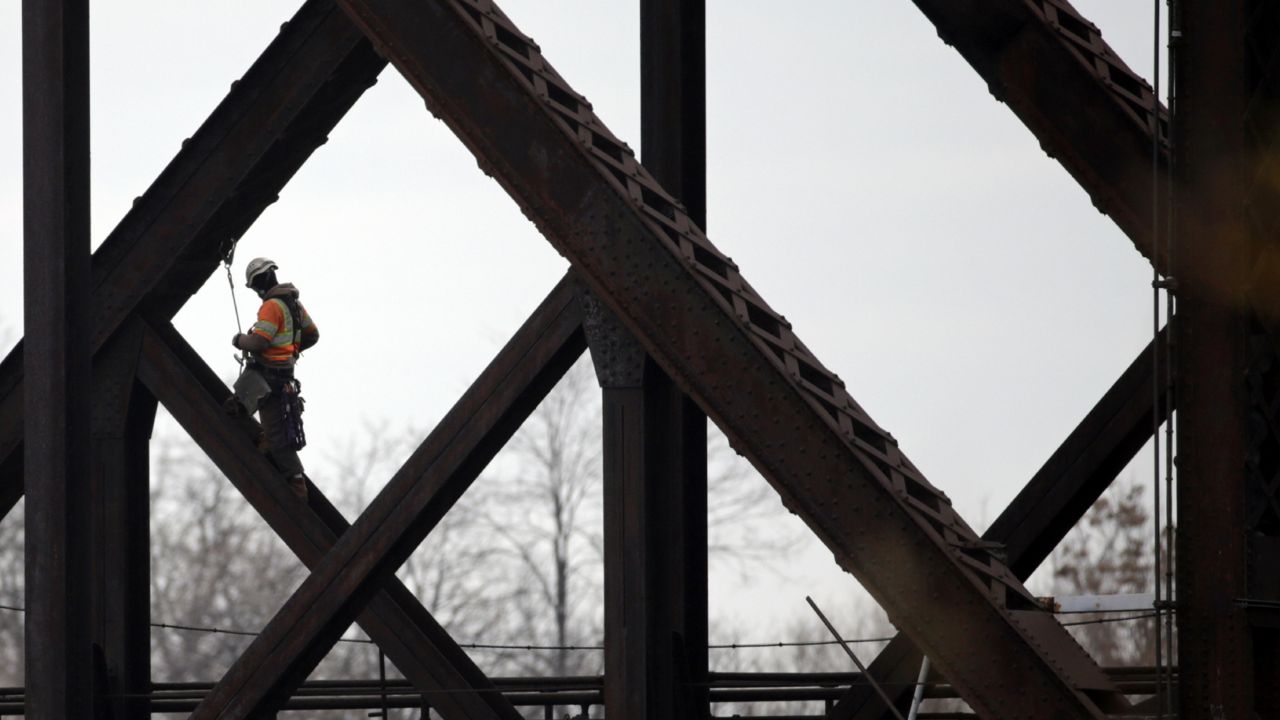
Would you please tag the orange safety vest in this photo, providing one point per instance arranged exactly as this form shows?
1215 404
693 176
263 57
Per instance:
275 323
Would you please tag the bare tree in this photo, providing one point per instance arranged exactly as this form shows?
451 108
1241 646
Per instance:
517 562
542 509
214 564
12 563
1109 552
12 549
452 572
543 504
743 512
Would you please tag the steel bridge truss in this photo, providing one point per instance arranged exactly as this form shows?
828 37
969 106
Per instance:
675 331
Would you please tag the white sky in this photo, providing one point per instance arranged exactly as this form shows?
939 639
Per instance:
870 188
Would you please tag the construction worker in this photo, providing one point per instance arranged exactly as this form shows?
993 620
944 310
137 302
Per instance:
283 330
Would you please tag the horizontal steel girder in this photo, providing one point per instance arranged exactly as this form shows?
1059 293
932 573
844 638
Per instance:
406 510
231 169
1046 509
687 303
1081 101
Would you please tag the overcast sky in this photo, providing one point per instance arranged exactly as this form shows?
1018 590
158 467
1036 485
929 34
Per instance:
867 184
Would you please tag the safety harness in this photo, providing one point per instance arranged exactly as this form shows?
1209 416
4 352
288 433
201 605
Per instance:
288 386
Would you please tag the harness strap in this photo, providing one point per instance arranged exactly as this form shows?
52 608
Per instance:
295 318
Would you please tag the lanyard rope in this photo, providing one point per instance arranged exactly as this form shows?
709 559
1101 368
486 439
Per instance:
227 259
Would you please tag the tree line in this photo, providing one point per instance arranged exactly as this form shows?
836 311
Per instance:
518 561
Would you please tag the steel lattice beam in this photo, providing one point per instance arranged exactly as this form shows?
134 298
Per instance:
654 437
224 176
1046 509
690 308
415 499
1081 101
395 619
239 208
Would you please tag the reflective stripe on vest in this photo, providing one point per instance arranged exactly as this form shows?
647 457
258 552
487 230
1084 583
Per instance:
285 336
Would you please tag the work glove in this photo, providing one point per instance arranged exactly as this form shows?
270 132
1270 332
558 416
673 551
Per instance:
235 341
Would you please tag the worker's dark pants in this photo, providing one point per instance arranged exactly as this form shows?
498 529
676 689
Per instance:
271 409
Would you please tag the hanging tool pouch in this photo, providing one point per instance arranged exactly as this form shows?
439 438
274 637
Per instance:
292 403
289 389
250 388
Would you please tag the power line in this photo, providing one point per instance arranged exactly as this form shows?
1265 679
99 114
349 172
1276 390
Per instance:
531 647
242 633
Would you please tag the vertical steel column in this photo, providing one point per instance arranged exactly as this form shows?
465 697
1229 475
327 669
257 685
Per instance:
123 416
654 531
673 104
55 93
620 364
673 146
654 437
1212 256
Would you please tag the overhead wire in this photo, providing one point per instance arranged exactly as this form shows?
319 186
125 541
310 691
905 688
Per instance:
598 647
228 257
385 691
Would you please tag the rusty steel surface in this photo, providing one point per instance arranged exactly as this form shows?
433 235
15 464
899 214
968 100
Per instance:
641 250
1087 108
654 473
1050 504
230 169
690 307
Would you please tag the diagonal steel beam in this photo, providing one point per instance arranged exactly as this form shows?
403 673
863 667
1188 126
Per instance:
231 169
1046 509
1078 472
421 492
11 472
395 619
1075 94
688 305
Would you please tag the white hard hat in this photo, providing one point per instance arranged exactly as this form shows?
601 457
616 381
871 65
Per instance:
256 267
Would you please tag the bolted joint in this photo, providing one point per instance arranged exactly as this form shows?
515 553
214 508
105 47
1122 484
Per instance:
615 353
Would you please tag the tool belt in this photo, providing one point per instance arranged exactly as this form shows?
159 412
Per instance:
274 375
288 390
259 381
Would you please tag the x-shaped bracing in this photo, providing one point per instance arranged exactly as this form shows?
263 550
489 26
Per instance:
637 250
1059 494
168 245
687 304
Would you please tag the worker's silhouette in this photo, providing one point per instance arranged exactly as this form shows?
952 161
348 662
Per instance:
282 331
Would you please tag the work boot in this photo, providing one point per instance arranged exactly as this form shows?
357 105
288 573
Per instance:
232 406
298 484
